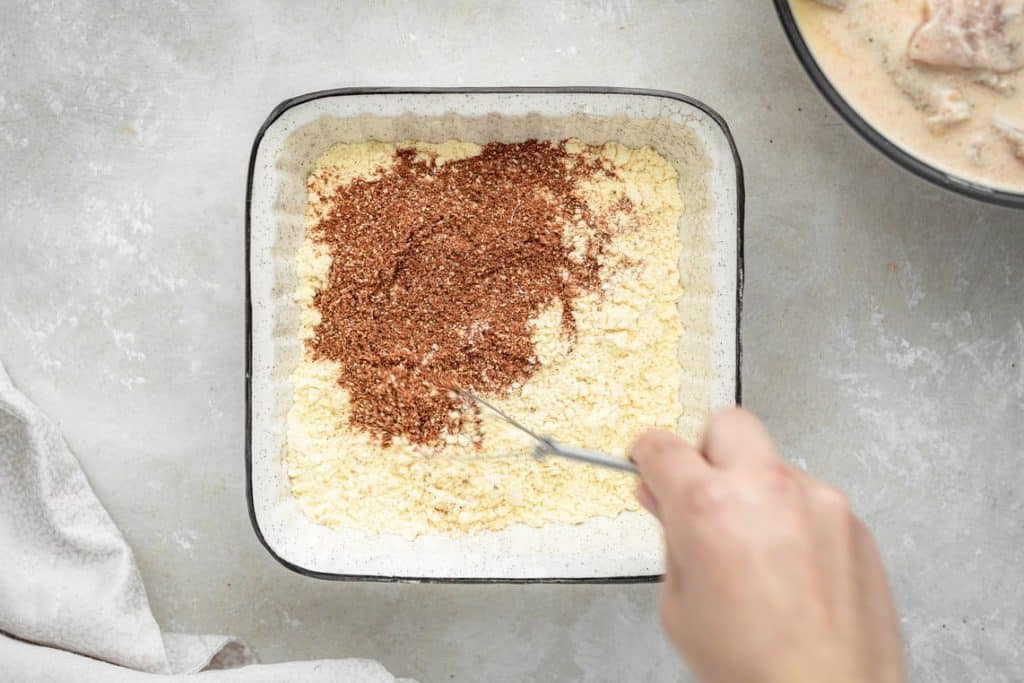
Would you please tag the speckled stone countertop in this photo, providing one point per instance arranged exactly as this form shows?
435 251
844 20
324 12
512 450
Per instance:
883 325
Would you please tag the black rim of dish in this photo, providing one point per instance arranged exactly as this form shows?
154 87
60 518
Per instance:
301 99
865 130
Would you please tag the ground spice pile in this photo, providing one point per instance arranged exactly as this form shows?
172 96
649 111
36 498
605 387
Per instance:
437 270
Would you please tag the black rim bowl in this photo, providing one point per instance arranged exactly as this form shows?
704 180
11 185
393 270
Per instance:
877 139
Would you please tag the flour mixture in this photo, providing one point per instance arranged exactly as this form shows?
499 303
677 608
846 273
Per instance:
541 275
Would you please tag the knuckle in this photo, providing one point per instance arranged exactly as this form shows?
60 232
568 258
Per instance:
704 497
833 500
779 476
862 533
729 419
774 479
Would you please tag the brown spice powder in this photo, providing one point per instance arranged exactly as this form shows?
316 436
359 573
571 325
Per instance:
436 272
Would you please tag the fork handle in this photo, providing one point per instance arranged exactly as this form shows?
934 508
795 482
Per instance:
588 456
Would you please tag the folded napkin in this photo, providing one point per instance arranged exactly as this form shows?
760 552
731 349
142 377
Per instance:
72 603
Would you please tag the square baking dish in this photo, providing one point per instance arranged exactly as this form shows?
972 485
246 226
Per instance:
601 550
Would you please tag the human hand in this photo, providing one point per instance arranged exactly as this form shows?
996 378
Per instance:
769 576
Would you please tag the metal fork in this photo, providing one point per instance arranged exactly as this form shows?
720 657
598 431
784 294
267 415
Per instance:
548 446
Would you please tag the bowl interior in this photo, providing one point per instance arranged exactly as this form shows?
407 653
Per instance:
900 155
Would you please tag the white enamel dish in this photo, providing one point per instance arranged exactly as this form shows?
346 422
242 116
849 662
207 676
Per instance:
624 549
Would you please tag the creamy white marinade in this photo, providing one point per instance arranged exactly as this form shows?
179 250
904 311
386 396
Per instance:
940 78
619 373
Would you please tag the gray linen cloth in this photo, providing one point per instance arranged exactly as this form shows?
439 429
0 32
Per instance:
72 603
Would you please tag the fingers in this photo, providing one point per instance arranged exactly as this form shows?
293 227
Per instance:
646 499
666 463
881 610
734 436
832 527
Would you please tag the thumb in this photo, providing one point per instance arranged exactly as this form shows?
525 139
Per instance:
666 464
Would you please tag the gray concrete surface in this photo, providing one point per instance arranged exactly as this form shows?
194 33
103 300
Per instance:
884 320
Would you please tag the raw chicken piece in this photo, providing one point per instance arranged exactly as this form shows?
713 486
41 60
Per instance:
948 107
1013 134
1000 83
944 105
971 34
